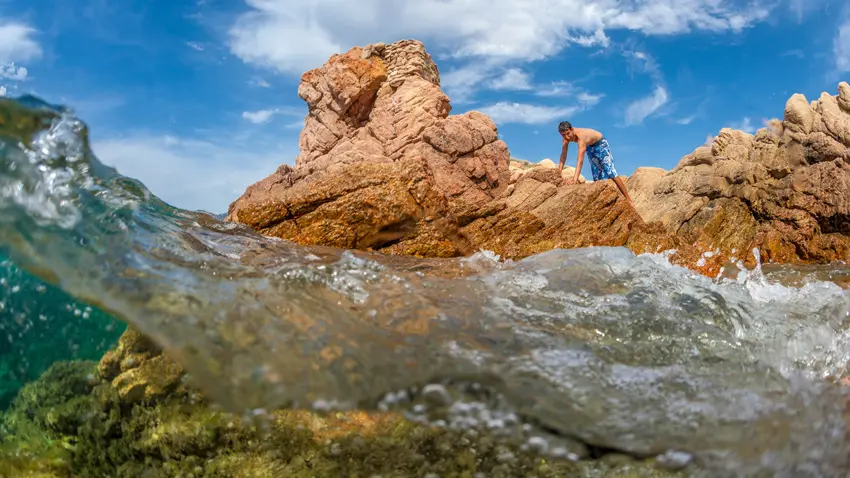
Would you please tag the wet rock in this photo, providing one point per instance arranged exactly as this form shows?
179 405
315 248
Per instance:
138 369
94 431
152 379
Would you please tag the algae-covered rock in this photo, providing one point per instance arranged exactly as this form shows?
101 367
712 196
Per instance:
140 423
37 434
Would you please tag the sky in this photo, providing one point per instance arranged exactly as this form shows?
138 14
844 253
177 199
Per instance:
198 98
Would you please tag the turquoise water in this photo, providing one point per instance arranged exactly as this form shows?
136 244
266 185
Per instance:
40 324
595 345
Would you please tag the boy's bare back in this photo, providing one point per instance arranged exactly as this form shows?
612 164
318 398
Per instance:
587 136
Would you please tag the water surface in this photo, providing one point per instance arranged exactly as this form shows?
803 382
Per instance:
561 350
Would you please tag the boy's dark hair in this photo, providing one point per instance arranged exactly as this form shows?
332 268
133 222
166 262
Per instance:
564 126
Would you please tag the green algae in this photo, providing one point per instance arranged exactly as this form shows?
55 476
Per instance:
71 422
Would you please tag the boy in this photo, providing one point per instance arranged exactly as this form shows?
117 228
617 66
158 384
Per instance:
601 160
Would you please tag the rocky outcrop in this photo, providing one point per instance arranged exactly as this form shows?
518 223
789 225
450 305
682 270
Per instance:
384 167
380 158
784 190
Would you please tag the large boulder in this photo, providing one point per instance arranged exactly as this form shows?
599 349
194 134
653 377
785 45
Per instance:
380 157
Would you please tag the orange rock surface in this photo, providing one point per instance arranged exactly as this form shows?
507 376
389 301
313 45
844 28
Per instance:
383 166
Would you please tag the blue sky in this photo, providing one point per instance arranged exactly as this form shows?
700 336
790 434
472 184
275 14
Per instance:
198 98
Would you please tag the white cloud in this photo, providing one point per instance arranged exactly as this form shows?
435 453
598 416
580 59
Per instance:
2 90
460 83
16 42
260 82
512 79
644 107
558 88
195 45
505 112
263 116
686 120
588 99
744 125
13 72
841 47
258 117
293 36
191 173
645 64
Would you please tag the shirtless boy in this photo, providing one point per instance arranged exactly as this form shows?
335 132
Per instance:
601 160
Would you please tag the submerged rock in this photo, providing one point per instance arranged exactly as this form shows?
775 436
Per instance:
384 167
72 423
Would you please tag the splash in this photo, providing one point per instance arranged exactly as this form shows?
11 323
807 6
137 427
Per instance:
560 351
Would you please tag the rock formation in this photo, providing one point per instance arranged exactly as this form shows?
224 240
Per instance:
784 190
384 167
381 160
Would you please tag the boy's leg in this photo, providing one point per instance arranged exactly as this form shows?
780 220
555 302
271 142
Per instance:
621 185
607 165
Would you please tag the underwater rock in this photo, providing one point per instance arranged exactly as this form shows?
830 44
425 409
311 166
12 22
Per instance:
180 434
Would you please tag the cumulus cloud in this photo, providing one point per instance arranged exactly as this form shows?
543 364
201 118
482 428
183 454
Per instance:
219 172
293 36
17 43
641 109
506 112
2 90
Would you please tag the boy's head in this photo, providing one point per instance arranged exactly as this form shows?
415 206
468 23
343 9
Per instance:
566 130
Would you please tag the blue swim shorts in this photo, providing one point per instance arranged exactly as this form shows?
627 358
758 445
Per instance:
601 160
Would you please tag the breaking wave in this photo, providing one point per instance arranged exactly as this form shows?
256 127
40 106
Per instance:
563 350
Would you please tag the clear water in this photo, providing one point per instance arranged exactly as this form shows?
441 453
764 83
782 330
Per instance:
588 346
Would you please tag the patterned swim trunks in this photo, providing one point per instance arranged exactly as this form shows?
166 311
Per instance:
601 160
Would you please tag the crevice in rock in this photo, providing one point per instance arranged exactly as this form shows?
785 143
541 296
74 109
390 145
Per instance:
389 235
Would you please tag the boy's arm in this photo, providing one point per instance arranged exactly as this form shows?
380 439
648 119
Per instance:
565 147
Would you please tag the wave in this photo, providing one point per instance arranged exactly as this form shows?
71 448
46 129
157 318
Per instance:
591 346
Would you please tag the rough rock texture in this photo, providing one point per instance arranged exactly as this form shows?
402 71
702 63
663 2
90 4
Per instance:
383 167
784 190
519 168
378 132
138 370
